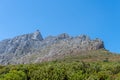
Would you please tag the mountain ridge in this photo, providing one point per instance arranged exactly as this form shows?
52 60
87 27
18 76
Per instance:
32 48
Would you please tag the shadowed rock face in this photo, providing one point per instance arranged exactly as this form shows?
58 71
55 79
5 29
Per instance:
32 48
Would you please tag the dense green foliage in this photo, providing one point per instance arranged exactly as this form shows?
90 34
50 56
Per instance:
61 70
90 65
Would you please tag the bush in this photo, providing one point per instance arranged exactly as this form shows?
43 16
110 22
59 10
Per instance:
62 71
14 75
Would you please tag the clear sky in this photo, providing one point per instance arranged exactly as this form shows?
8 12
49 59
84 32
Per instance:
96 18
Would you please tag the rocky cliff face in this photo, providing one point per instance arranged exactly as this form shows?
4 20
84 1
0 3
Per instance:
32 48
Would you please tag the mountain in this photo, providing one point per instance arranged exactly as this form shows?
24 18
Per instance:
32 48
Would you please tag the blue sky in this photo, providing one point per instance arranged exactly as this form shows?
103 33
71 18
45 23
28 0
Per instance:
96 18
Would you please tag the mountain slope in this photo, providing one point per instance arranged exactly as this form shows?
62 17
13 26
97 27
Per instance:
32 48
87 65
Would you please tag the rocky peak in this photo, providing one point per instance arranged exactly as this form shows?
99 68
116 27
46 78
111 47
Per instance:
32 47
37 35
84 37
63 36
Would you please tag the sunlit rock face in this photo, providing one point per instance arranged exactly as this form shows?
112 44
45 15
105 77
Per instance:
32 48
37 35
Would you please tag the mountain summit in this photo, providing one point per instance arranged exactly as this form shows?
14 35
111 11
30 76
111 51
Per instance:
37 35
32 48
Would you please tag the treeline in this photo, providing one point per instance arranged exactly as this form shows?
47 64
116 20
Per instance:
74 70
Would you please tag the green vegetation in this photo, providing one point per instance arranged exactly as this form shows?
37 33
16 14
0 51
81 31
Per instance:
69 68
62 71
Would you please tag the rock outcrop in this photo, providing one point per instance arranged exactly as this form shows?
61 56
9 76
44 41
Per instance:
32 48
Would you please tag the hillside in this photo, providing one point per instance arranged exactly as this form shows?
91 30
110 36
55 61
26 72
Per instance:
62 57
92 65
32 48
